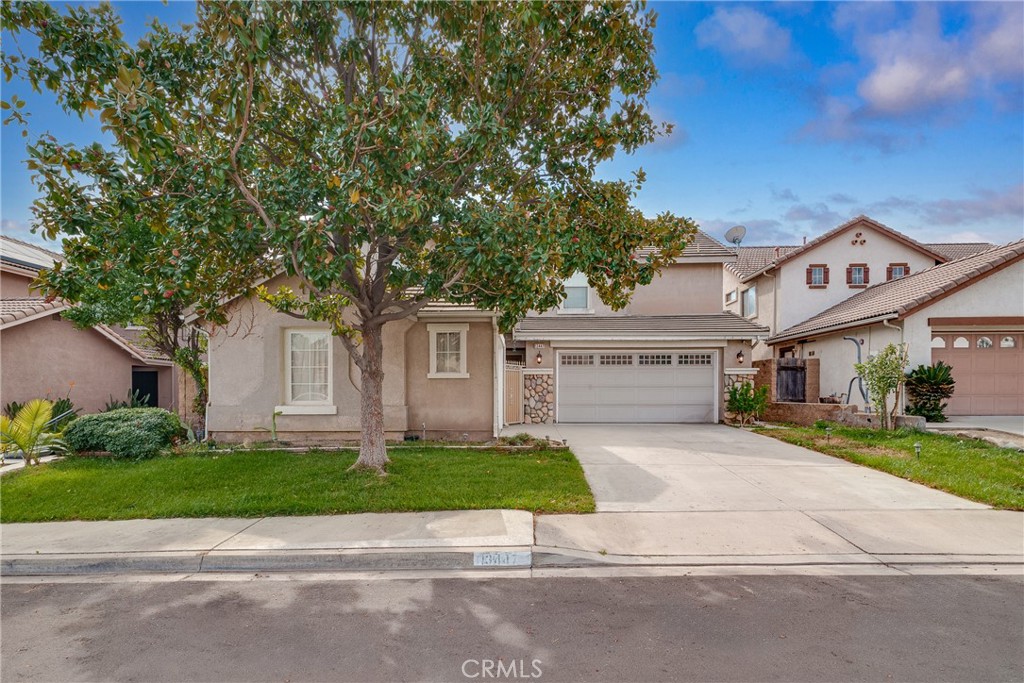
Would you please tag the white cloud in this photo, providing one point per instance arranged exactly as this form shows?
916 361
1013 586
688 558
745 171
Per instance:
746 36
917 68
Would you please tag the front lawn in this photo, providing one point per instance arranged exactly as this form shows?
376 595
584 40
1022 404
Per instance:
264 483
965 467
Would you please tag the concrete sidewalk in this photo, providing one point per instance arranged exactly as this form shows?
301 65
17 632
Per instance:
513 539
421 540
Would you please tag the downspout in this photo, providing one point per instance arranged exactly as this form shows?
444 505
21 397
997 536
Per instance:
499 378
858 379
209 394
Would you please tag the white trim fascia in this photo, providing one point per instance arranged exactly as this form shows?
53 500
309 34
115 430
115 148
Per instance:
772 341
549 336
455 316
538 371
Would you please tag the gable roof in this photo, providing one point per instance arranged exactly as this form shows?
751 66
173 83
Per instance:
896 298
639 327
958 250
751 271
703 246
753 260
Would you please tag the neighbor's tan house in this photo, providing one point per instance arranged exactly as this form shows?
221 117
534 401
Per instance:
42 355
668 357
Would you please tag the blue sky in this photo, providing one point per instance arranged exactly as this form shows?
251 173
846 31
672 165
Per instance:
790 119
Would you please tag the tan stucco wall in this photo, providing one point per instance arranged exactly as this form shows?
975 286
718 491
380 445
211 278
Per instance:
247 380
680 289
14 286
451 407
44 356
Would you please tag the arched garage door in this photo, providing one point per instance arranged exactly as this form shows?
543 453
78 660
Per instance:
988 368
636 386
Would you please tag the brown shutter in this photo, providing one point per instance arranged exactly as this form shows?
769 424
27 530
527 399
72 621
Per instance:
906 270
849 276
825 278
888 273
866 271
809 278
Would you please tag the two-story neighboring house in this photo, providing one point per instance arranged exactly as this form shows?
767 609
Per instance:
666 357
779 287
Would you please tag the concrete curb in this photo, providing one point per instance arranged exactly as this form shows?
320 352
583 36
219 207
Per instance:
511 557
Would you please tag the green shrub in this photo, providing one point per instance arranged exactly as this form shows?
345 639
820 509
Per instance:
747 401
136 399
928 389
125 432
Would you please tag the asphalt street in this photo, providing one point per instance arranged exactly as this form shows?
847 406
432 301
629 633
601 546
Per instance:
696 628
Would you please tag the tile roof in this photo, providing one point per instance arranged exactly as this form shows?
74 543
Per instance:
135 337
957 250
752 260
635 327
896 298
702 246
13 310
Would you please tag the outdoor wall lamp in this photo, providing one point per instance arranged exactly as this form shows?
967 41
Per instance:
540 358
739 358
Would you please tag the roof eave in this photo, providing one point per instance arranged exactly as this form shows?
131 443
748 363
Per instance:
829 329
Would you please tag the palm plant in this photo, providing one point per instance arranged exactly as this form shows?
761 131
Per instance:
928 387
26 431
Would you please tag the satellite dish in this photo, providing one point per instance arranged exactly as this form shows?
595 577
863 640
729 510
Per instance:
736 234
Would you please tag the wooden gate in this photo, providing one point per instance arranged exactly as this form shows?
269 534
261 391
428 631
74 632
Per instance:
791 380
514 393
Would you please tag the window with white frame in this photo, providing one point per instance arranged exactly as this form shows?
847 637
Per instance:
448 351
577 295
308 367
750 302
732 295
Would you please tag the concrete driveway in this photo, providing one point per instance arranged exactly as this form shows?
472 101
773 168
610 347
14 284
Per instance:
705 467
711 494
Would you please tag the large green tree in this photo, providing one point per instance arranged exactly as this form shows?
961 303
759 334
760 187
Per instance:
388 154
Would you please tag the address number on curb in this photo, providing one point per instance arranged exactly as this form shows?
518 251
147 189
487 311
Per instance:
502 559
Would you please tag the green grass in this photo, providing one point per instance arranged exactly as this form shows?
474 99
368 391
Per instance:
969 468
263 483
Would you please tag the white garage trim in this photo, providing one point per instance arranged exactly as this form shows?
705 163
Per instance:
674 353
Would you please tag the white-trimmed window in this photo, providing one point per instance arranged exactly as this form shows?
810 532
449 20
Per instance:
749 302
577 295
448 351
308 371
731 296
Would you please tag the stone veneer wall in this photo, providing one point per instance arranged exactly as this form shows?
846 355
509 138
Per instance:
539 396
732 378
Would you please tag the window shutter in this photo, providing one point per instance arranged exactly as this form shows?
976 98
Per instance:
849 276
888 273
906 270
825 279
809 276
866 279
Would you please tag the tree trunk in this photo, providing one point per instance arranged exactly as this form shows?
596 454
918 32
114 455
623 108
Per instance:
373 454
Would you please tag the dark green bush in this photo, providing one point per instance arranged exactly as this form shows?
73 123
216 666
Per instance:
928 390
125 432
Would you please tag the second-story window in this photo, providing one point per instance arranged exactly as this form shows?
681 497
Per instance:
857 275
577 295
897 270
817 275
750 302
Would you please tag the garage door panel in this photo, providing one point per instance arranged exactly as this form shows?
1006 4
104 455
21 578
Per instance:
989 378
617 388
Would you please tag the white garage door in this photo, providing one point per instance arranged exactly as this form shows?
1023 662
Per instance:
636 386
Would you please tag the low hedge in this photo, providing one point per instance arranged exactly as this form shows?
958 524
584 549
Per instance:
125 432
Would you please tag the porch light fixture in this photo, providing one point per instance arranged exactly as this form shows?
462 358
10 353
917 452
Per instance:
540 358
739 357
